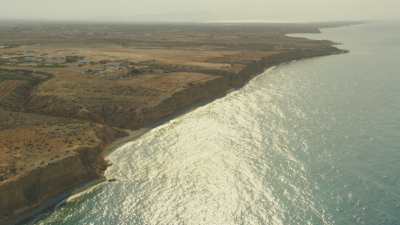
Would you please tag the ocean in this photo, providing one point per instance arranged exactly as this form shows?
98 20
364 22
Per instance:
315 141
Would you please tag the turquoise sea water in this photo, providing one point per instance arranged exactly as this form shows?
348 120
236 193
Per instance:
310 142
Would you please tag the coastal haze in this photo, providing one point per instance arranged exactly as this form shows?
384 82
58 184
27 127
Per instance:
200 11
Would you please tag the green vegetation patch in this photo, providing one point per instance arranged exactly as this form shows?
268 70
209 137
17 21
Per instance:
51 66
25 75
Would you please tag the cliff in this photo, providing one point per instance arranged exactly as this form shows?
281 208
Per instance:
37 172
57 119
42 185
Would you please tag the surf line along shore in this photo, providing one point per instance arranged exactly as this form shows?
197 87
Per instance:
44 186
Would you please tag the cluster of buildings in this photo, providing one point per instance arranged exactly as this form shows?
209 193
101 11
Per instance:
119 69
43 60
110 69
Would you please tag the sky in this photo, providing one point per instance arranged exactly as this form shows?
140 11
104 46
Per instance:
200 10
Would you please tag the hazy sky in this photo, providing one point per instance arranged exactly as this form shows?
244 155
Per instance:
200 10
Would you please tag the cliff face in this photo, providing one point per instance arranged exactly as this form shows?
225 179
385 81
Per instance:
60 160
215 88
28 191
181 100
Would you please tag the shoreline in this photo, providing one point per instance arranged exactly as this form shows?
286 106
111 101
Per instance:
229 84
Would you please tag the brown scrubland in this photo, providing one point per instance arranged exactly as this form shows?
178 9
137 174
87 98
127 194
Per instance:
67 91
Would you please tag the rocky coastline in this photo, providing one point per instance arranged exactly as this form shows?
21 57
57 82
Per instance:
44 185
